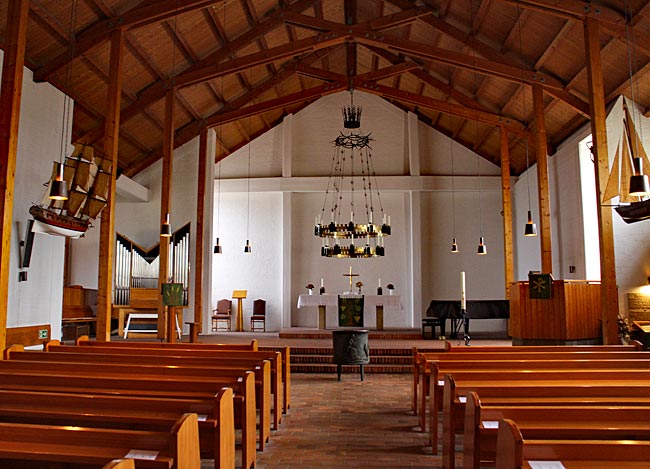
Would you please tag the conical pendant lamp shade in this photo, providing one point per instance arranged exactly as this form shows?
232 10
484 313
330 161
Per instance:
217 247
166 228
482 248
454 246
58 185
639 184
247 248
531 228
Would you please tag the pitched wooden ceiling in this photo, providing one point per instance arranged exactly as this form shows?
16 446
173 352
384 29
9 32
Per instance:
463 66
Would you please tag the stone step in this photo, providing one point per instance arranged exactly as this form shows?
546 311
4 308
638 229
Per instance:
331 368
374 359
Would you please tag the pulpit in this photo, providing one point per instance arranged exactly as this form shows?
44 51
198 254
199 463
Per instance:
239 295
569 314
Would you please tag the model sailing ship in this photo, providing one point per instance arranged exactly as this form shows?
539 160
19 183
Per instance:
88 178
629 150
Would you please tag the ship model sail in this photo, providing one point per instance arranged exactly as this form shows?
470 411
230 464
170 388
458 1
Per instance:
88 177
632 209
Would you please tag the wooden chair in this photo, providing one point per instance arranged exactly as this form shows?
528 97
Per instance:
223 313
259 315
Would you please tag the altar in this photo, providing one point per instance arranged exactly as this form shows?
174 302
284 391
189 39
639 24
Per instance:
373 309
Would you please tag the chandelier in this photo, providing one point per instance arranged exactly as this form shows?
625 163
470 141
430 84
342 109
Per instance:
352 159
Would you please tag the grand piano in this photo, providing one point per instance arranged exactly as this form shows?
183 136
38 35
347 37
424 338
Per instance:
440 310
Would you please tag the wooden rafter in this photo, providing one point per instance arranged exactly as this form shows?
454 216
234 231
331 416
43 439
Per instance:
404 96
99 33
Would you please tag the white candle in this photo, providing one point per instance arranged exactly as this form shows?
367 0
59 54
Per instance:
350 271
462 291
379 282
321 283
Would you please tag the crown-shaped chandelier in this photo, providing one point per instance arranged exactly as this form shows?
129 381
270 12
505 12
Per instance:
361 237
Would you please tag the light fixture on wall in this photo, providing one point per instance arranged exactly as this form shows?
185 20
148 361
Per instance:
530 229
166 228
352 148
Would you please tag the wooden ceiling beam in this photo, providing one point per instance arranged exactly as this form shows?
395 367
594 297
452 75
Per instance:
285 51
318 73
98 33
188 132
293 98
431 80
350 13
387 72
192 129
486 67
397 20
575 10
512 125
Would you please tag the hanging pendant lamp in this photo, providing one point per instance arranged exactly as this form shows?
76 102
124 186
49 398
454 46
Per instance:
166 228
58 185
482 248
531 228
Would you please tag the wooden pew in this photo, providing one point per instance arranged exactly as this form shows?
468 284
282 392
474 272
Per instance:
177 448
285 369
513 451
139 386
428 358
543 422
120 464
81 363
421 356
215 416
226 356
85 340
616 392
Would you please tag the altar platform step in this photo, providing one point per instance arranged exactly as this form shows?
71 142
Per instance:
382 360
388 334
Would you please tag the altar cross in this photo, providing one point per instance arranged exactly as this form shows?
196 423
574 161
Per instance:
350 275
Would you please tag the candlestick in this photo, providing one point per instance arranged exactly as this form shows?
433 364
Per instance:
462 291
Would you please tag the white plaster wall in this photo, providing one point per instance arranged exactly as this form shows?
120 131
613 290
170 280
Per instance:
259 272
38 300
316 127
266 161
436 153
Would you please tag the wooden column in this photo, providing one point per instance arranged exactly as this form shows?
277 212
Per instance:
107 225
542 181
166 323
10 95
506 196
609 292
200 214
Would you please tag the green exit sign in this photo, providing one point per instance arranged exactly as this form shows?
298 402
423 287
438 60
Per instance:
42 333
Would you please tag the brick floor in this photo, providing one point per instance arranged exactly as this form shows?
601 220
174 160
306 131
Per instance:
348 424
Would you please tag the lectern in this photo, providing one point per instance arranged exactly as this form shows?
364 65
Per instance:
239 295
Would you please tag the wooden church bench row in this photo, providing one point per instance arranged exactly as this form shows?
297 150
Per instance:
181 387
83 363
428 361
215 416
194 355
43 446
284 367
522 369
619 390
514 451
548 421
420 358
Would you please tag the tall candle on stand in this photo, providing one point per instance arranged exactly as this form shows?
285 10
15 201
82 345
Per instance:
321 283
462 291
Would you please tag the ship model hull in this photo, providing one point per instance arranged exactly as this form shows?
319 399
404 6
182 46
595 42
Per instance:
636 211
59 221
